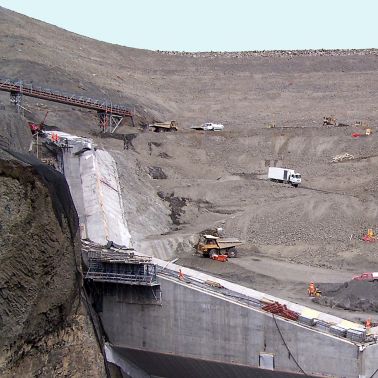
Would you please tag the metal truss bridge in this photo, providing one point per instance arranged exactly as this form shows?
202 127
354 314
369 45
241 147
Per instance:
110 115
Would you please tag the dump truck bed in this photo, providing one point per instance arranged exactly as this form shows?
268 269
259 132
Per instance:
166 125
228 242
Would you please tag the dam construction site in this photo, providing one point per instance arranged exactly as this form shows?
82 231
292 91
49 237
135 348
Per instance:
174 214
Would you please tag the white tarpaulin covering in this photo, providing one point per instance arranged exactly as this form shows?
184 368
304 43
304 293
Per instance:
93 180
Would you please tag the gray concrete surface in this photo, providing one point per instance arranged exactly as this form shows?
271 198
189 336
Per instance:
195 323
71 164
172 366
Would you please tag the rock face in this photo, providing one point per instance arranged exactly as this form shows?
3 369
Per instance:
44 326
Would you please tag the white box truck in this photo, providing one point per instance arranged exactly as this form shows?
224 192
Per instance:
288 176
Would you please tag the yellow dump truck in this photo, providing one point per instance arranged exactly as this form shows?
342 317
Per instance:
164 126
210 246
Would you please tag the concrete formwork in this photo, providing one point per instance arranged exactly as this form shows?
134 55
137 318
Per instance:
194 323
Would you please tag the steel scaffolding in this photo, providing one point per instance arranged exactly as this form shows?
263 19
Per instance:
121 267
110 115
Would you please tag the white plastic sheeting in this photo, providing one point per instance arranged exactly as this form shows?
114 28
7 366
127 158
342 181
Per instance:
103 207
93 180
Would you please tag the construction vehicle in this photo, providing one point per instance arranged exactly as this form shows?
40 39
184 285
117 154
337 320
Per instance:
368 276
213 246
271 125
164 126
361 124
329 121
370 236
288 176
367 132
209 126
38 127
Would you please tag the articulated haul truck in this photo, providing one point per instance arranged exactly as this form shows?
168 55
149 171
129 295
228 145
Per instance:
288 176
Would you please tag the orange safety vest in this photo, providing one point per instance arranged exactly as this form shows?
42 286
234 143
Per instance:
181 275
311 289
368 323
54 137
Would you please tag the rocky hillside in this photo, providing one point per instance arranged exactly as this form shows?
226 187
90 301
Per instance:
44 325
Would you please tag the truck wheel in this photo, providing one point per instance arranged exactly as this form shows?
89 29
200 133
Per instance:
212 253
232 252
295 185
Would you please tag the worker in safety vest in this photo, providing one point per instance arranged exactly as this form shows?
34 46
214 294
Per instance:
54 137
181 275
368 323
311 289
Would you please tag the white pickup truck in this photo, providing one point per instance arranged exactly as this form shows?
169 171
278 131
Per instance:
284 175
368 276
209 126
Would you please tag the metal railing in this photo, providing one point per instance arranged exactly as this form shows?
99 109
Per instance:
136 279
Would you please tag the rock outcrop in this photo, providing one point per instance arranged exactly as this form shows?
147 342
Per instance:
45 328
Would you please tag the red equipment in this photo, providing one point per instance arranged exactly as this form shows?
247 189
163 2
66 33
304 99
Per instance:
370 239
282 310
35 128
222 258
356 135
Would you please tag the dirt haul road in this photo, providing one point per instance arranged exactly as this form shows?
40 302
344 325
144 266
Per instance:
178 184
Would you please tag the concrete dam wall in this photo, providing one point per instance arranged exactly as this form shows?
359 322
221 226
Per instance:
196 324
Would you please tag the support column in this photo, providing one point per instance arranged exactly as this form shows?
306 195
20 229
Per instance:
108 121
16 98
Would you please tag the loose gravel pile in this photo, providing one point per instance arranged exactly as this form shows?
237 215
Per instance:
353 295
306 218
